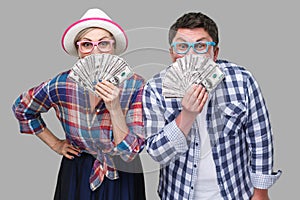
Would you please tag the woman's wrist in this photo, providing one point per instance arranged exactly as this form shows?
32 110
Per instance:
54 144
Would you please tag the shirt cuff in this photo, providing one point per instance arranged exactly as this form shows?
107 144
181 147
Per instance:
176 137
32 126
264 181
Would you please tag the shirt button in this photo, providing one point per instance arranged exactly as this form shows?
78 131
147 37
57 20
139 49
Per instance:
192 187
197 144
195 165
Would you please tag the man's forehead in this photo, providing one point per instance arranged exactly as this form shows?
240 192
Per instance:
196 34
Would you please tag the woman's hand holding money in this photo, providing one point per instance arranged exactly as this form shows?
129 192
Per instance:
109 93
111 97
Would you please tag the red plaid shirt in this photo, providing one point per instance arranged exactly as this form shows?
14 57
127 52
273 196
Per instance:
88 128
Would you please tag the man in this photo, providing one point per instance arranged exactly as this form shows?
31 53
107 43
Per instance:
210 146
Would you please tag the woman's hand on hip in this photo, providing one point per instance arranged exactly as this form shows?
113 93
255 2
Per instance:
63 147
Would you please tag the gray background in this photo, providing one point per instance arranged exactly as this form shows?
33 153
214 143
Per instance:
260 35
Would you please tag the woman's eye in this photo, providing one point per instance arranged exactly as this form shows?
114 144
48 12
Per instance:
86 44
104 43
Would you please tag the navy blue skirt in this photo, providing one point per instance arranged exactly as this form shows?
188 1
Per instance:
73 181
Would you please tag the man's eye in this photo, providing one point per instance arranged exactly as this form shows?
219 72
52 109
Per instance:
199 45
182 46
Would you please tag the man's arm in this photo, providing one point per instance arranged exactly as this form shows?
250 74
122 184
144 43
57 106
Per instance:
165 142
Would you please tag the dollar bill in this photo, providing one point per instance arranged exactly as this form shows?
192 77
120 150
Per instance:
213 78
188 70
88 71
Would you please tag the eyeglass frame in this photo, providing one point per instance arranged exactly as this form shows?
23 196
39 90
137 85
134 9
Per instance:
95 44
192 44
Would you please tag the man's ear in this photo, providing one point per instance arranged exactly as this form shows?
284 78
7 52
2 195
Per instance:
171 52
216 53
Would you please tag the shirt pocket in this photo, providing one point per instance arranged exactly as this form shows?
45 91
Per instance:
234 116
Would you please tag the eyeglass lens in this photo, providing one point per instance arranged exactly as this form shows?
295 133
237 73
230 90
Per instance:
183 47
87 46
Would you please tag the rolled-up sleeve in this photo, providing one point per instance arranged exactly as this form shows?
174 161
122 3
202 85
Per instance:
260 139
164 142
28 107
134 141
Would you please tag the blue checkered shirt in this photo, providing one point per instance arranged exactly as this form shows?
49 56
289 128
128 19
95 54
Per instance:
239 130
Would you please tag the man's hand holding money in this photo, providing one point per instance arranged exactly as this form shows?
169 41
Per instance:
192 104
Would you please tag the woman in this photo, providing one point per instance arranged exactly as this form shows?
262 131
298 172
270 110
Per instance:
104 132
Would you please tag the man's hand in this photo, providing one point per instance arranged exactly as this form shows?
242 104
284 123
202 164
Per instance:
192 104
194 100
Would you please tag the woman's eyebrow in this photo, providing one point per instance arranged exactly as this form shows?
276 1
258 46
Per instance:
85 38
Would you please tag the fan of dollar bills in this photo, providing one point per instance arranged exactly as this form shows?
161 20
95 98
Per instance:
96 67
188 70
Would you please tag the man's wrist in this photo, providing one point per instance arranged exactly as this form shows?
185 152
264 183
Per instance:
184 121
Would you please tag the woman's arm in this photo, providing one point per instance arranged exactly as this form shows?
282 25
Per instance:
111 97
28 108
62 147
128 131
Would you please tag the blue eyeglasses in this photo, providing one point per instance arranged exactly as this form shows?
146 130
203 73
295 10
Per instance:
198 47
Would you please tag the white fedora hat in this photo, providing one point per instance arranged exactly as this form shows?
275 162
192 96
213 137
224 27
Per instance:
94 17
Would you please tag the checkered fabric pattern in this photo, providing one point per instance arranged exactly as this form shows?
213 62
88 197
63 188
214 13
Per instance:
239 131
88 128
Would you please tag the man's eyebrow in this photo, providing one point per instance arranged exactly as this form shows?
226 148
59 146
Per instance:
185 40
201 39
180 38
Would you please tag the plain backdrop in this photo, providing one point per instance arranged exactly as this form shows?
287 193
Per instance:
260 35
